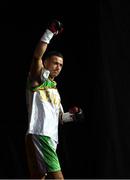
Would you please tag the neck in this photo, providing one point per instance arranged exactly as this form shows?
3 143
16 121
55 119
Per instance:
51 78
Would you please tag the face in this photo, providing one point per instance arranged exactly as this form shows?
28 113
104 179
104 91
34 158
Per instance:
54 64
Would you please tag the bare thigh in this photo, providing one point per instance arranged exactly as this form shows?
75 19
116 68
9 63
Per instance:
55 175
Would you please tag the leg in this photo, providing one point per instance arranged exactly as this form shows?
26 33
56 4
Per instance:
55 175
36 165
51 159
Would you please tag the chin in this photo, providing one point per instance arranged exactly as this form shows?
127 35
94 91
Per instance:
54 75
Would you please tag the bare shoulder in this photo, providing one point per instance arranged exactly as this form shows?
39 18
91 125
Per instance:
35 78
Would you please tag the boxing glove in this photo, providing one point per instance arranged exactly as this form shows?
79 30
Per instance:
54 27
76 113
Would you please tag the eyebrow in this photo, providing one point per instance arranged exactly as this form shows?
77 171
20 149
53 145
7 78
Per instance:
56 62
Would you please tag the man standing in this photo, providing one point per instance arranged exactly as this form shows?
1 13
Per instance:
44 108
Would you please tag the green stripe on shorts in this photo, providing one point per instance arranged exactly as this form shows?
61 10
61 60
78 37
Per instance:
49 154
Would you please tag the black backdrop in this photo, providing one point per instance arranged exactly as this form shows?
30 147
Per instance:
95 76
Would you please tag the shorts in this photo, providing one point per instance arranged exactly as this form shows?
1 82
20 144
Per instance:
41 155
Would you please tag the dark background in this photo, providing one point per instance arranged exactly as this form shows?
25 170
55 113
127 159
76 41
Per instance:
96 76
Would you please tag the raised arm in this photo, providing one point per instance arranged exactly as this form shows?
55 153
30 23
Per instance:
53 29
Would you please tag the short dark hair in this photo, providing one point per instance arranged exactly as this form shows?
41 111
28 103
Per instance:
53 53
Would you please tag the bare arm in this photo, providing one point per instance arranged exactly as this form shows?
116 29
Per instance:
37 64
54 28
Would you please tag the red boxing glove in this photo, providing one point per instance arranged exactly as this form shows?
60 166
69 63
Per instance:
77 114
55 27
74 110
